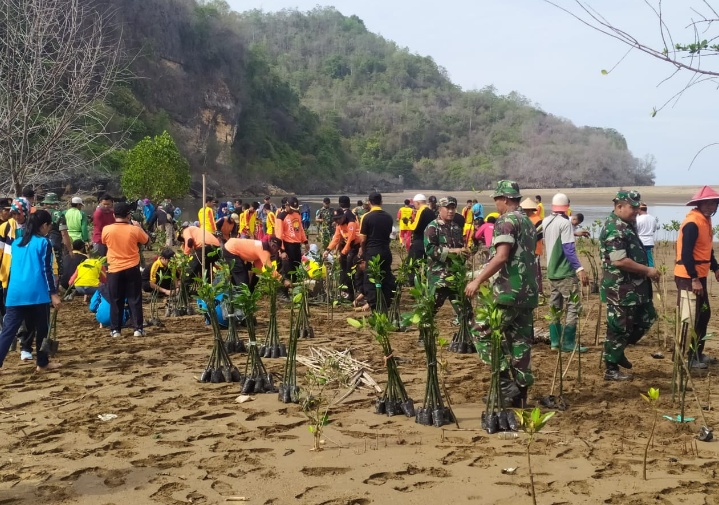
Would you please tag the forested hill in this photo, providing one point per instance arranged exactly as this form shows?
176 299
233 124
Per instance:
315 102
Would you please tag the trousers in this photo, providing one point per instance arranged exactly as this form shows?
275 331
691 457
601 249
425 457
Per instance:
626 324
125 285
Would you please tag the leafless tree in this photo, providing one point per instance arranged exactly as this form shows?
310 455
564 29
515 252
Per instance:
59 59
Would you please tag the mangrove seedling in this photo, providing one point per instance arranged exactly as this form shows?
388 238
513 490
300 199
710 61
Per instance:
652 397
288 389
220 367
457 281
269 283
376 276
433 412
255 379
394 399
178 304
303 311
489 345
532 422
322 387
233 342
401 276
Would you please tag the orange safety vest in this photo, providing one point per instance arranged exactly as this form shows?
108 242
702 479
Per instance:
702 248
534 218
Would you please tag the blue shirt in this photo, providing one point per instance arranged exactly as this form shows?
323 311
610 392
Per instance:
31 279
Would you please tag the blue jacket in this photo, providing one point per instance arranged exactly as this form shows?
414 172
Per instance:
100 306
31 278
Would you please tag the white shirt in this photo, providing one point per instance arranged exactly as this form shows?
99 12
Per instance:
647 226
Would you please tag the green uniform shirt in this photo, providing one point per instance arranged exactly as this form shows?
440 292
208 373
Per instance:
619 240
76 221
439 238
558 231
516 282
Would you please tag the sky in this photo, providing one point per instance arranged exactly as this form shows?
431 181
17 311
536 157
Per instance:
534 48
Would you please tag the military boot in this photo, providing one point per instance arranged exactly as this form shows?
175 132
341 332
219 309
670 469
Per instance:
555 333
612 373
570 340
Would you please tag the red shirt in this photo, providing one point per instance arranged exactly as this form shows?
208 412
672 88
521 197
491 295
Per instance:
100 219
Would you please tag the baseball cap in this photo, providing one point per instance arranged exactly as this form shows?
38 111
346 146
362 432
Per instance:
122 209
5 203
419 197
632 197
344 202
338 214
447 201
77 200
560 202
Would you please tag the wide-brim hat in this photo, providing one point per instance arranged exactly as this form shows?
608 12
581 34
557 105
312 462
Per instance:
50 199
507 188
528 204
704 194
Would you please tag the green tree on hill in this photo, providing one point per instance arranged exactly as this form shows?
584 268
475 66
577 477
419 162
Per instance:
155 169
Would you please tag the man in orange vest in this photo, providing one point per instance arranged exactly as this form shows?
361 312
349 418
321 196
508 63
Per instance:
695 258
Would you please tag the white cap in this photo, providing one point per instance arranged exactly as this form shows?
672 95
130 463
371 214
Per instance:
419 197
77 199
560 202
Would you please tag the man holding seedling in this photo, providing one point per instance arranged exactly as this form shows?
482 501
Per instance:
626 284
514 287
375 231
443 243
564 272
695 258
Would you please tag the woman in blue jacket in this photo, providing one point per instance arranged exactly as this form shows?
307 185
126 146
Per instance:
31 288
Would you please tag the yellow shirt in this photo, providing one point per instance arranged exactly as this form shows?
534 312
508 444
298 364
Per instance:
88 273
271 222
206 217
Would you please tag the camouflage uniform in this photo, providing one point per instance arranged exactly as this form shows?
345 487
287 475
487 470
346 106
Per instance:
439 237
515 290
630 311
325 231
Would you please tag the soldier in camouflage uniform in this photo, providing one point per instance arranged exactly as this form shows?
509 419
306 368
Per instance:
325 223
626 284
443 243
515 289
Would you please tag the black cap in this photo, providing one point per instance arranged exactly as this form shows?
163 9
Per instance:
294 203
5 203
78 245
122 209
432 199
338 214
344 201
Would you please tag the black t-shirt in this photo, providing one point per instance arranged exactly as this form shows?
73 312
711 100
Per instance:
426 216
458 219
377 227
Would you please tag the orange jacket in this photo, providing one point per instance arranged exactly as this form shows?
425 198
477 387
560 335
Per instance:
349 232
290 229
702 252
197 235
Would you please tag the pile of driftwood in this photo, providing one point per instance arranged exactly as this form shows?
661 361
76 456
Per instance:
357 371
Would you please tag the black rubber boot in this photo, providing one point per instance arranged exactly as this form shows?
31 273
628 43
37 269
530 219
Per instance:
612 373
624 362
520 401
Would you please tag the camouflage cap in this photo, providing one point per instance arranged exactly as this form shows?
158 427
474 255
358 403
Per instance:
632 197
509 189
447 201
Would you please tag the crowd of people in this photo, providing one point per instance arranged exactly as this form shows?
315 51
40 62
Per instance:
46 249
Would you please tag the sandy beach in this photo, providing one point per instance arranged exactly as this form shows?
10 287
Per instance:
177 441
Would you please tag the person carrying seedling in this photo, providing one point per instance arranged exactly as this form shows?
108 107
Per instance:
443 243
31 289
626 284
158 276
564 271
514 288
245 254
124 280
695 258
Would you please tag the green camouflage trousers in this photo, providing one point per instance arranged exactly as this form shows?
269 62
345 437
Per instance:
517 334
566 291
626 325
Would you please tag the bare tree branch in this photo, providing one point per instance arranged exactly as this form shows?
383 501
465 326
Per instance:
58 63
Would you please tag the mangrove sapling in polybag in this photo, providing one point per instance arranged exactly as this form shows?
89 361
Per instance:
233 343
255 379
433 412
288 389
269 284
220 367
50 344
489 345
376 276
457 281
401 277
303 312
179 304
394 399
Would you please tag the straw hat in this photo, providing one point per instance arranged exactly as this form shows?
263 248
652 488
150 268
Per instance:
528 204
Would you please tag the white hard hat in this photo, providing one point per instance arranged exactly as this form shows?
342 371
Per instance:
419 197
560 202
76 200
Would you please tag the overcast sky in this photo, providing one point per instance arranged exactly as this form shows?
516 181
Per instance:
555 61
